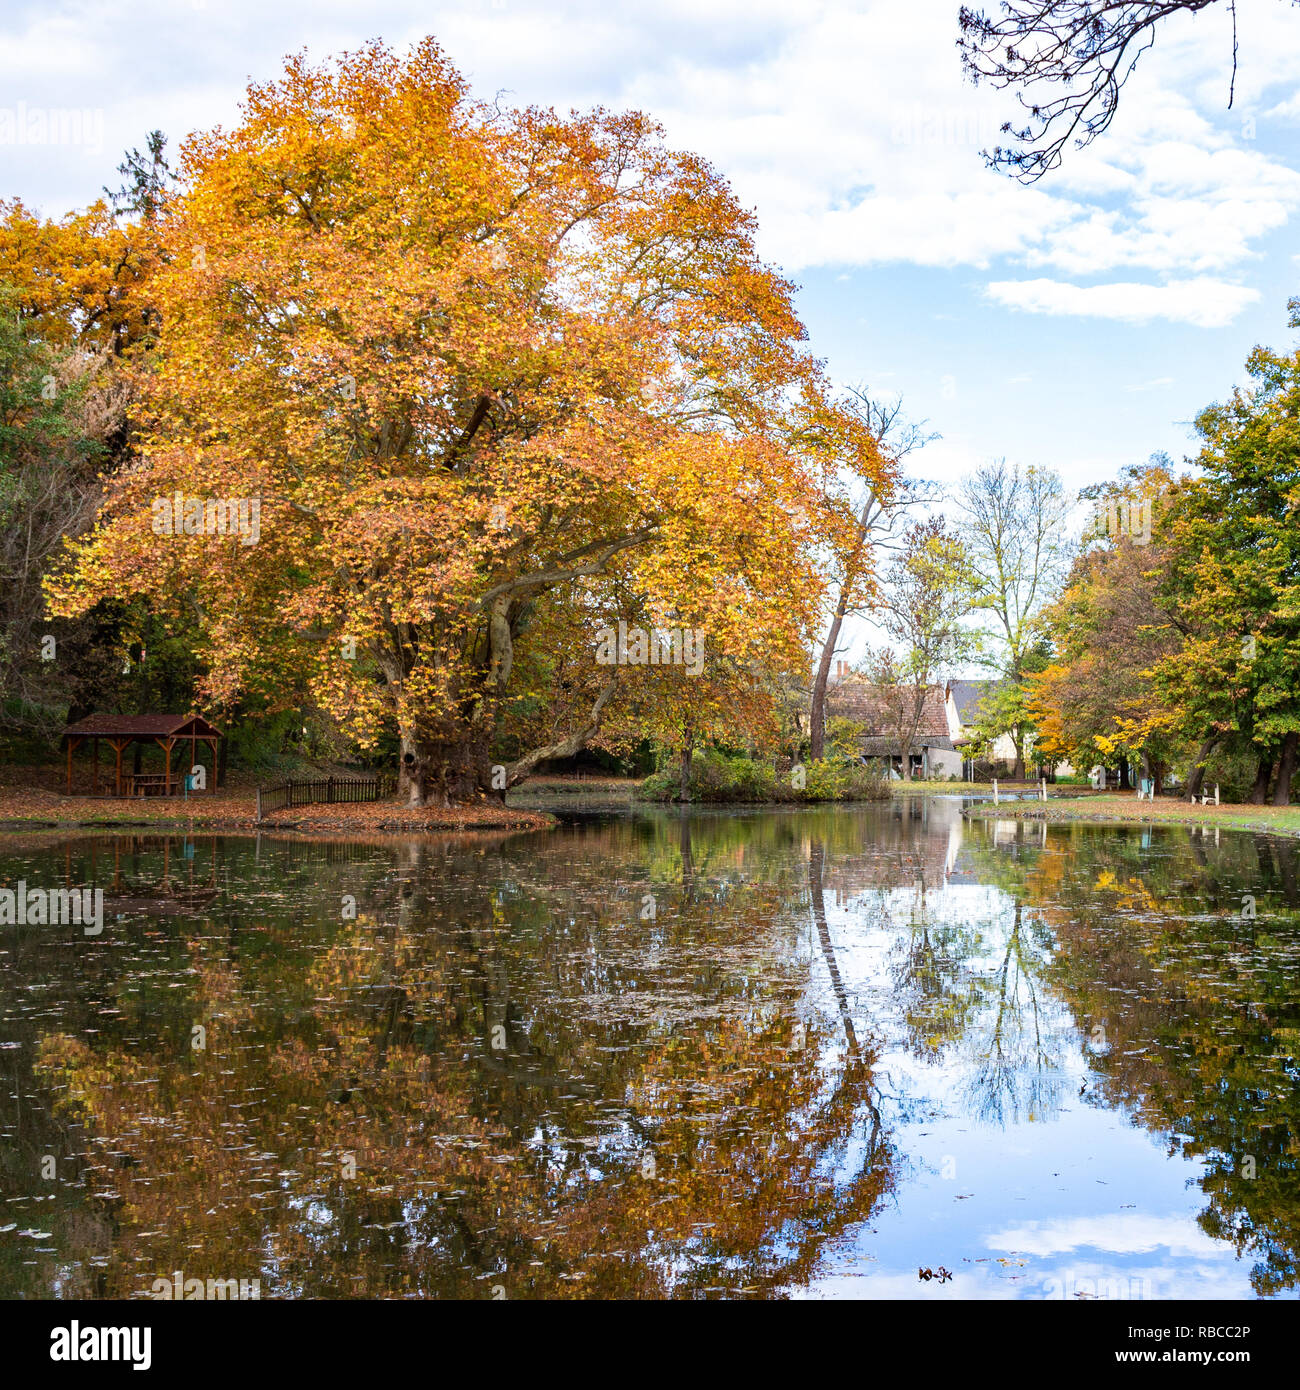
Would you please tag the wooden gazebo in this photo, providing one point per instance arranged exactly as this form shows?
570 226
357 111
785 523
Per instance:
166 731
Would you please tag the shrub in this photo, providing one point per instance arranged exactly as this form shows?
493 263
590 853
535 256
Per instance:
715 777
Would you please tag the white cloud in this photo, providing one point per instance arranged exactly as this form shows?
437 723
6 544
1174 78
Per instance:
846 123
1203 302
857 140
1288 110
1120 1234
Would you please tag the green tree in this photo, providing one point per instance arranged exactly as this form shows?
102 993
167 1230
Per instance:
59 412
1236 578
1095 700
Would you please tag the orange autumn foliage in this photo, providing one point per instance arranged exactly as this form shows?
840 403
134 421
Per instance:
496 377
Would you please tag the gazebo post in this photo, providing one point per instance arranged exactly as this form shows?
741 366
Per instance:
167 744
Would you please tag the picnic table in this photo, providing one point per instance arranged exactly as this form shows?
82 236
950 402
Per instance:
147 783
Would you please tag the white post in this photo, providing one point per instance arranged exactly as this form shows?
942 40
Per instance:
995 791
1216 793
1044 788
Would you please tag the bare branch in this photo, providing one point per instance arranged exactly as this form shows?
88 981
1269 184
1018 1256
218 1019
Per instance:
1085 49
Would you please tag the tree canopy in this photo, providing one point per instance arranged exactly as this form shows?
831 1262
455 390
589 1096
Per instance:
498 378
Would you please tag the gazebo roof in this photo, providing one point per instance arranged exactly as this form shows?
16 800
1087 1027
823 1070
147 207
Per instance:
142 726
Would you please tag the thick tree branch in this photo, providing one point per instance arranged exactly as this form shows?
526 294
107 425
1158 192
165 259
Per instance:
565 747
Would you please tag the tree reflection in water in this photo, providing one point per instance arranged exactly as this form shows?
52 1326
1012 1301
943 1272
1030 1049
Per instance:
636 1057
542 1093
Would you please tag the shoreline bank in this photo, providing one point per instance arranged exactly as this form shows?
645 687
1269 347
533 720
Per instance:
40 810
1126 809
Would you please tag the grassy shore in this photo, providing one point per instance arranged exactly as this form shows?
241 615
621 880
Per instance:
1278 820
235 808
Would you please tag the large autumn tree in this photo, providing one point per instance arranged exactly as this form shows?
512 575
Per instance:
498 378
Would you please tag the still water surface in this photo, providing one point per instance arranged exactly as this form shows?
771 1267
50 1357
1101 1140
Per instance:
799 1053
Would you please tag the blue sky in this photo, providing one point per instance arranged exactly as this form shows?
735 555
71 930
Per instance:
1081 322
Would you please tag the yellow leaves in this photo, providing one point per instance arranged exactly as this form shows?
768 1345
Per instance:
81 281
459 352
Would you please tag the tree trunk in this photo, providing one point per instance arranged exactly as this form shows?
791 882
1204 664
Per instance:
688 858
1124 784
1285 768
1287 862
817 711
687 752
441 771
1018 769
1197 780
816 873
1260 790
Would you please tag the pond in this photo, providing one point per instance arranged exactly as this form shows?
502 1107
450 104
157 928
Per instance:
770 1053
